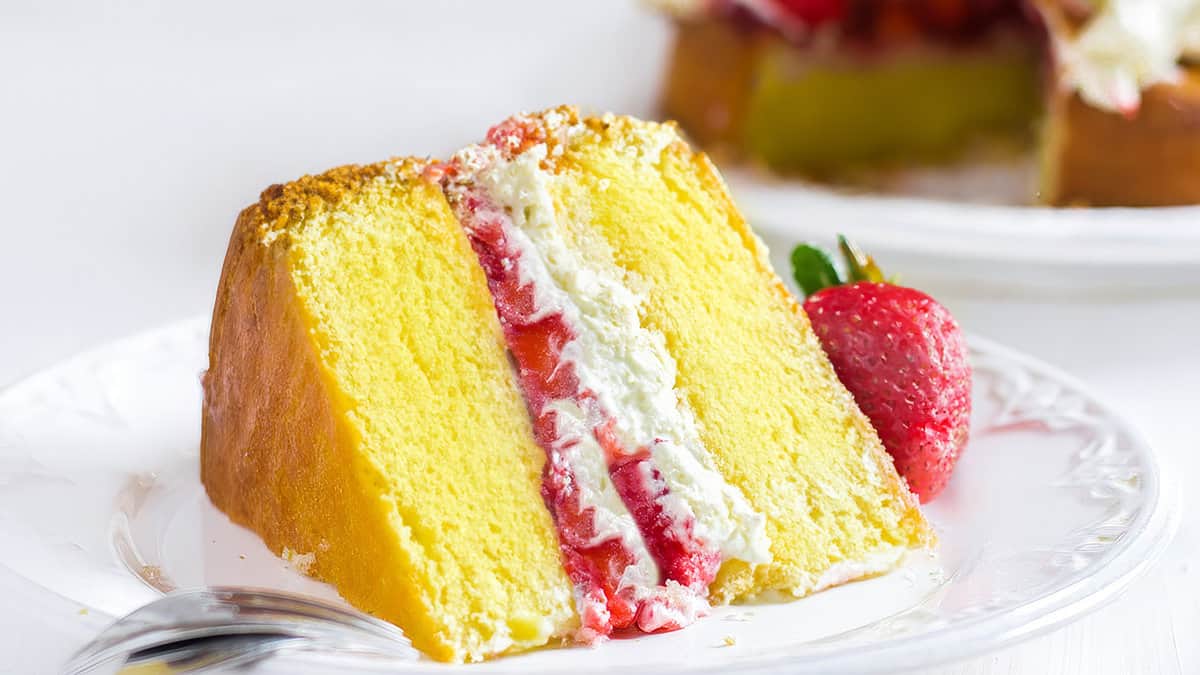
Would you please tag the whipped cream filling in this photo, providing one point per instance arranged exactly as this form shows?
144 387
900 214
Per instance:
626 366
1127 46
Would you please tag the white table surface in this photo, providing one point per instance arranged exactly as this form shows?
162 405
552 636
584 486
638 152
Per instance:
131 136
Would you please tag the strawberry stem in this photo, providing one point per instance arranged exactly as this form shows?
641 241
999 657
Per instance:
859 265
813 269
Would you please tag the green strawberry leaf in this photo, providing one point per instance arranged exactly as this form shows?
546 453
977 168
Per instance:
859 265
813 269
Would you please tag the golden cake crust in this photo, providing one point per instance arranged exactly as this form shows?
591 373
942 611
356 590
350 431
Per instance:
274 454
352 328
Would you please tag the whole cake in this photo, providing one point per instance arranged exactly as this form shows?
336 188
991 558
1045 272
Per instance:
550 389
828 88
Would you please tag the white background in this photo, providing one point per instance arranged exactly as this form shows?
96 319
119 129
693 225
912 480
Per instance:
131 134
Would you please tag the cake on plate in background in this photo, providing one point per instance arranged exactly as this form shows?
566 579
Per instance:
1102 90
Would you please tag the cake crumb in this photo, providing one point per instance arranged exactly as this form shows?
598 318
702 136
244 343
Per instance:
729 641
301 562
152 574
83 611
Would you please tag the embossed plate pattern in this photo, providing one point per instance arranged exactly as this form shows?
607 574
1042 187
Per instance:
1056 506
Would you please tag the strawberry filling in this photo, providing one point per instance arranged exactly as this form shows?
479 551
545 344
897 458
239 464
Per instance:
596 565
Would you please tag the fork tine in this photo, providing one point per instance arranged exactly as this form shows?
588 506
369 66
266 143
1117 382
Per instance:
294 605
215 653
200 616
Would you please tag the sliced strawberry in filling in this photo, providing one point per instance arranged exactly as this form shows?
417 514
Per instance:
596 565
680 556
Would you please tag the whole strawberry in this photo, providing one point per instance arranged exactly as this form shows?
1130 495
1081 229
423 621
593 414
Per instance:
901 354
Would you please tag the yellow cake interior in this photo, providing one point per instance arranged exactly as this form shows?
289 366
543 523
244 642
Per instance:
772 413
447 534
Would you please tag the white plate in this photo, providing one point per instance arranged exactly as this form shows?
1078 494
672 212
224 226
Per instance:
1056 506
937 240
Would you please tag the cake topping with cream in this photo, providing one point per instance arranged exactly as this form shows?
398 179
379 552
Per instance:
1125 46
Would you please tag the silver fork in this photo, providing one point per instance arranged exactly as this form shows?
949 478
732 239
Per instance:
205 629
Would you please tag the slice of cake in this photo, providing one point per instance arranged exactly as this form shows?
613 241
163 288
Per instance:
653 340
572 399
359 408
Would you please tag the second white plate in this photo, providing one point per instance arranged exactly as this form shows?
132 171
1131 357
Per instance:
938 241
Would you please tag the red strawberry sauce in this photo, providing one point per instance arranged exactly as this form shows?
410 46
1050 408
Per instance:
536 340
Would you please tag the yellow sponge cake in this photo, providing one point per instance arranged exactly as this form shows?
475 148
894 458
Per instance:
359 407
548 389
